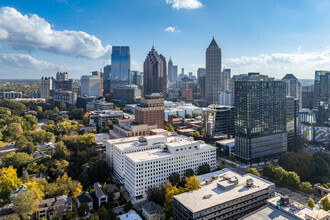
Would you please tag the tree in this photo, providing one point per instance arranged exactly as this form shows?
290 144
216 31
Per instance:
232 158
321 167
8 181
189 172
108 126
69 215
59 168
310 203
268 170
195 134
280 174
188 116
36 168
13 132
192 183
128 206
21 143
17 160
29 148
170 192
254 171
117 121
222 166
60 151
325 203
292 179
202 169
174 178
169 127
83 209
26 203
103 213
56 110
157 195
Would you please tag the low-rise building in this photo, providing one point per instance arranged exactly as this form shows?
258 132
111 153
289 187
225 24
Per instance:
129 128
98 105
153 211
187 93
85 198
131 215
224 194
100 195
145 170
60 205
100 118
12 95
112 188
226 147
65 96
127 93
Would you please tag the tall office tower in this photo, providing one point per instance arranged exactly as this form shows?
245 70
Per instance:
292 120
200 72
214 76
165 75
120 64
293 87
202 86
170 70
307 96
136 78
63 82
227 79
175 73
322 96
260 122
107 79
47 83
151 110
90 85
154 74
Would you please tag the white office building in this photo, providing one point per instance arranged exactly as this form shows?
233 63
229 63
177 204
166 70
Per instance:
151 169
226 97
91 85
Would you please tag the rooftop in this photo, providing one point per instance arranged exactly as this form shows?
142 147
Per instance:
211 194
159 154
268 212
131 215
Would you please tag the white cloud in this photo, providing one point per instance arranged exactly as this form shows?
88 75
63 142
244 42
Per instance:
186 4
172 29
138 66
303 64
30 32
24 62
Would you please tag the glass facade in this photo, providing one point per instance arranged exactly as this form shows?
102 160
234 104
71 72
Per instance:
260 118
322 96
120 63
107 79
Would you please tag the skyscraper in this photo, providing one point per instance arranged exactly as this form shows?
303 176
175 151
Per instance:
63 82
107 79
154 73
227 79
260 118
175 73
214 76
90 85
47 83
164 85
293 87
120 64
322 96
292 120
170 70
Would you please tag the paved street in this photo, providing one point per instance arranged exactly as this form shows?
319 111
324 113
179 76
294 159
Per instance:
6 150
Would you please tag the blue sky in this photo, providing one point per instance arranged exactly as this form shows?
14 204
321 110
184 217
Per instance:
274 37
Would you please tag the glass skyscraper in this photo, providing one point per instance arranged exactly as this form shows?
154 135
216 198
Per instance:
107 79
120 64
322 96
260 118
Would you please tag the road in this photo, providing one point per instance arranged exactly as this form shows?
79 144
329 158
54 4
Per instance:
7 149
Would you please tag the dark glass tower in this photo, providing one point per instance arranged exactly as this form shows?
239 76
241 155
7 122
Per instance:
260 118
120 64
154 73
322 96
107 79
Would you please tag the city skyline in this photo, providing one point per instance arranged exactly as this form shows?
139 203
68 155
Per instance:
76 37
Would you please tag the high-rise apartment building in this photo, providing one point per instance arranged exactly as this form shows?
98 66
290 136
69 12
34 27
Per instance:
214 75
307 96
47 84
120 64
91 85
260 121
154 74
322 96
63 82
107 79
292 120
151 110
293 87
227 79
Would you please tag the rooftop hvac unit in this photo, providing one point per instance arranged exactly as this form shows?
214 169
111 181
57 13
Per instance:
208 181
215 177
249 182
207 196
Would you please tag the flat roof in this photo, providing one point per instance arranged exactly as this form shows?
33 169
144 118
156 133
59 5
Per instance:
268 212
196 201
227 141
158 154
